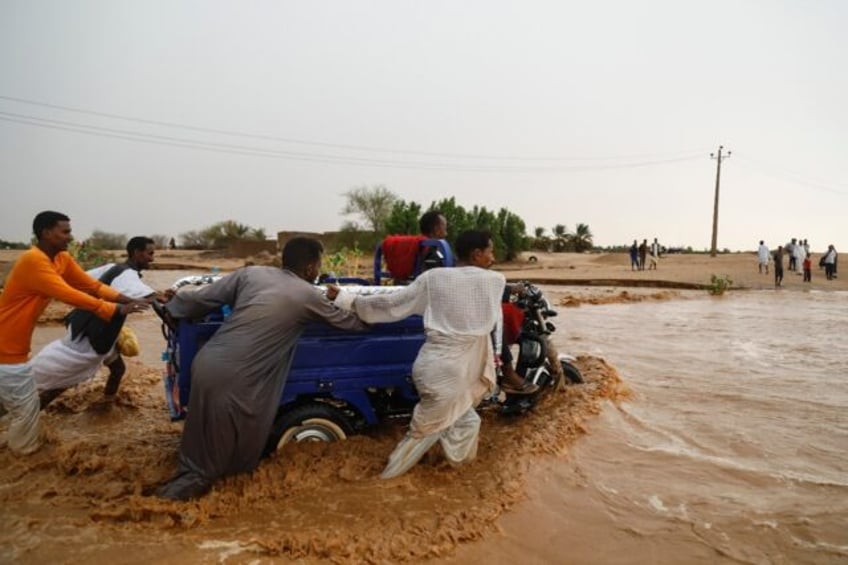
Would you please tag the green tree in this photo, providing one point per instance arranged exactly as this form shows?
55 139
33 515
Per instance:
13 244
560 239
403 219
582 238
220 235
373 205
458 218
512 233
107 240
541 242
193 239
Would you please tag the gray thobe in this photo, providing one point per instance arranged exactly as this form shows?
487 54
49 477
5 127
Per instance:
237 378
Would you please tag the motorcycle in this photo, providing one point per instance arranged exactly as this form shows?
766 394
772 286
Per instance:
537 361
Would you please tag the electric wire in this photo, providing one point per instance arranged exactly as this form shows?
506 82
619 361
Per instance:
131 135
787 176
361 148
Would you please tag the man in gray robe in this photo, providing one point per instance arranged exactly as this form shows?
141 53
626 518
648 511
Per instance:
239 374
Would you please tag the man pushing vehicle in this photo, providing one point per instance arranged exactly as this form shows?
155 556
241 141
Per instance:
455 367
239 374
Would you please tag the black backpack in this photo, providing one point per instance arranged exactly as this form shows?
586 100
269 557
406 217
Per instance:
100 333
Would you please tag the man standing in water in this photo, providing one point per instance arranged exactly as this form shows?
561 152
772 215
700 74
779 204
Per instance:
76 357
239 375
455 367
44 272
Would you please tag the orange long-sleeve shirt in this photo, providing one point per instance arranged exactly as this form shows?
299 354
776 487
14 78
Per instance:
33 281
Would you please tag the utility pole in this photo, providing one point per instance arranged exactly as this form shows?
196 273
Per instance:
718 159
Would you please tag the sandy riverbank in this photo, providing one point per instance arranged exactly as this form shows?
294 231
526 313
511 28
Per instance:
596 269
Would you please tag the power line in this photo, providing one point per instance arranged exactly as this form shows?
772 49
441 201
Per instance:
216 131
790 176
131 135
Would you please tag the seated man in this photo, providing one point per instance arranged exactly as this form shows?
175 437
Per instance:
433 225
407 256
510 381
66 362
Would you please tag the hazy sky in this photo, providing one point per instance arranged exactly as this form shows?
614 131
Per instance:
603 113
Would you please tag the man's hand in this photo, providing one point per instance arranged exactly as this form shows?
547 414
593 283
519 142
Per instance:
332 291
167 295
133 307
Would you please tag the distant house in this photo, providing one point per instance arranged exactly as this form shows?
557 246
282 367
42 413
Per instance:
332 240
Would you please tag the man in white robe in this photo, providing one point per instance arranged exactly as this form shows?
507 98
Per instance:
71 360
455 368
763 256
799 253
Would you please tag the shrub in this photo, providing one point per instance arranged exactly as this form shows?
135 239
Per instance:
89 255
719 284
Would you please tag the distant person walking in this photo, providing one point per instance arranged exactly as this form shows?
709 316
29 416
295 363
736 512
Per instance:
763 257
778 266
830 262
799 254
643 254
634 256
789 248
655 255
808 268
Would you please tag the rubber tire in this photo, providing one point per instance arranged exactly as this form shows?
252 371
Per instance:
572 373
315 421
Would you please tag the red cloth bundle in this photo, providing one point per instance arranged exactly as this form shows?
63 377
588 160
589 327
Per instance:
400 252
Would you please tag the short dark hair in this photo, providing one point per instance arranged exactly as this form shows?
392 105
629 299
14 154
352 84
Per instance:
300 252
46 220
428 221
138 243
470 240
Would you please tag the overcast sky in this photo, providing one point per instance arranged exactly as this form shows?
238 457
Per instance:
125 115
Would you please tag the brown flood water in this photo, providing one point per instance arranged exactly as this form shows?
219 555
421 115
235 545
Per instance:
84 498
730 448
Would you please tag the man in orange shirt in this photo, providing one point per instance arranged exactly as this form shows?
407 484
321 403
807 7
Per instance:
44 272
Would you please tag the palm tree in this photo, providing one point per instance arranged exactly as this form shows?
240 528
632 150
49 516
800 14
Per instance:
560 237
582 238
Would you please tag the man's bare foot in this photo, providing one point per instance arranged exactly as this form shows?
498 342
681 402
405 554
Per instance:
116 371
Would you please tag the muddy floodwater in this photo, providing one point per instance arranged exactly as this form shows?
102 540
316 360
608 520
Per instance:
711 430
731 449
